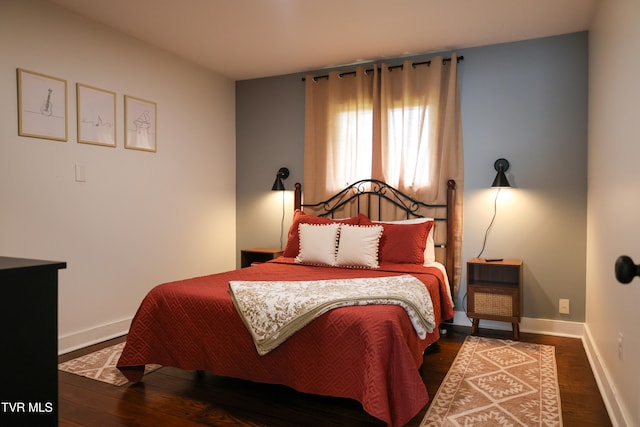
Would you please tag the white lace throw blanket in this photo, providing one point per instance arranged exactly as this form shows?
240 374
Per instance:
275 310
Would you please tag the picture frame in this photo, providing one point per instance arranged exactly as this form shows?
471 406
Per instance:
96 115
140 124
42 106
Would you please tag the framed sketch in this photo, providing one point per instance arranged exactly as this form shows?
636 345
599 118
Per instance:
42 106
140 122
96 115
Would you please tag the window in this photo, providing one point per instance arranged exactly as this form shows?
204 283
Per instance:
408 150
353 147
399 124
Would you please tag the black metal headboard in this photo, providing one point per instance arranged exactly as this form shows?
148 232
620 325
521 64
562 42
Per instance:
371 194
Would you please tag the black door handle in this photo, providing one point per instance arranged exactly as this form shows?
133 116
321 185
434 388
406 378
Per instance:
626 269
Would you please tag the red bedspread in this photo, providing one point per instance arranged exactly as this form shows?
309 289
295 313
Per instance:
367 353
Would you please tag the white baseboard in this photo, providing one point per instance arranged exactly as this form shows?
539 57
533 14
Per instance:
528 324
618 414
87 337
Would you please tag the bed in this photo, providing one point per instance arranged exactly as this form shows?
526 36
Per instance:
363 348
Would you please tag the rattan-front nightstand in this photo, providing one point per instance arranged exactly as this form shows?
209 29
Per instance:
494 292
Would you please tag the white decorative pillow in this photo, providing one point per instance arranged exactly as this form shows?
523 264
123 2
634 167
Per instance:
358 246
429 250
318 243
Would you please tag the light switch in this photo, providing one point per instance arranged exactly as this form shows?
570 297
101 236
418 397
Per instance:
80 173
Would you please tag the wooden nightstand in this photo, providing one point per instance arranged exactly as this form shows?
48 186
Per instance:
251 255
494 292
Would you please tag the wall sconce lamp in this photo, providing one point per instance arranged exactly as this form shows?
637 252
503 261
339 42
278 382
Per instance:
278 184
501 181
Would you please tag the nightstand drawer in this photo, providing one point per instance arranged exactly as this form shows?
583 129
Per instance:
493 301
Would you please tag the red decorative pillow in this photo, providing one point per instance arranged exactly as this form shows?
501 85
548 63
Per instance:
293 241
404 243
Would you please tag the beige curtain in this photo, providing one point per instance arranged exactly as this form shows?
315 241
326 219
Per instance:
339 131
421 141
401 125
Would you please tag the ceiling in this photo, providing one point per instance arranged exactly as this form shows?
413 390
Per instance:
245 39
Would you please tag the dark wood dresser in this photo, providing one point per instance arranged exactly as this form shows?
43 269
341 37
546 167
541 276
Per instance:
29 356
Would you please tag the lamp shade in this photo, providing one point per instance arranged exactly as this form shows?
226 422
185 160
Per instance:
278 184
501 181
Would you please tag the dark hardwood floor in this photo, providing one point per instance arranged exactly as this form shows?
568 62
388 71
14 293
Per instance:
173 397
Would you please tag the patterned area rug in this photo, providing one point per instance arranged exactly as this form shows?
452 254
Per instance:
498 382
101 366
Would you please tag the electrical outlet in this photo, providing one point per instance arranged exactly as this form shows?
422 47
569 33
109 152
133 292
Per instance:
563 306
620 344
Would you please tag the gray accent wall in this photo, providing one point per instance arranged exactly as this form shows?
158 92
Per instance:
269 135
524 101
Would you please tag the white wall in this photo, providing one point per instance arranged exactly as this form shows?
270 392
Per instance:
140 218
614 202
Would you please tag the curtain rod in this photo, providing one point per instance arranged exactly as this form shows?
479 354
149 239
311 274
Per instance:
368 70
